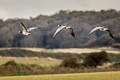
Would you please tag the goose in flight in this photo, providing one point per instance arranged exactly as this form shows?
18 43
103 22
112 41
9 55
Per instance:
102 29
61 27
26 31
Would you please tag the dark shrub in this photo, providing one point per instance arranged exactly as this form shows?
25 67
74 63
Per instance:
10 66
12 63
116 65
71 62
95 59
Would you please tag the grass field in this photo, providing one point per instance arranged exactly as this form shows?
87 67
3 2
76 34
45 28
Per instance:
41 62
74 76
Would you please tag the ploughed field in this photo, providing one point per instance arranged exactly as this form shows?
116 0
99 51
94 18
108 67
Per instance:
70 50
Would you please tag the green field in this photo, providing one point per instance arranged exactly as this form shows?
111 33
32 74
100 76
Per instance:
43 63
38 62
74 76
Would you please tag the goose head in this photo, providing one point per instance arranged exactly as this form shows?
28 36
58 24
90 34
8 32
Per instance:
59 25
20 32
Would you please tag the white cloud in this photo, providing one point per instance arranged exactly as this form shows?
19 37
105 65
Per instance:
103 4
4 14
26 8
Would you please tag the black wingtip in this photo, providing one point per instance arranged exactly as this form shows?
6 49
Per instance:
74 37
21 23
38 28
112 37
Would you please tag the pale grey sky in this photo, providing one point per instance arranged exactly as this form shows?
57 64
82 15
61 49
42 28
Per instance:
27 8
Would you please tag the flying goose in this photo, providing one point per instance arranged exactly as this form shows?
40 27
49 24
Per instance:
26 31
102 29
61 27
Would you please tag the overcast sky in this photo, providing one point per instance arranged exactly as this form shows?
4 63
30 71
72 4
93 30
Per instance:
33 8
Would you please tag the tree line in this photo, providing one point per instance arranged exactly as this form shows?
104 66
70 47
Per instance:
81 21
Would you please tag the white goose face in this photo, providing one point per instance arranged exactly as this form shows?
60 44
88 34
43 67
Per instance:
59 25
20 32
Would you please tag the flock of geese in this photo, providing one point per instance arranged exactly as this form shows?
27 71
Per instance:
27 31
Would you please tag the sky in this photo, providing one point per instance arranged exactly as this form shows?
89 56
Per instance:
33 8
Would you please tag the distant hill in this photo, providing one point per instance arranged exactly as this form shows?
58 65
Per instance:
81 21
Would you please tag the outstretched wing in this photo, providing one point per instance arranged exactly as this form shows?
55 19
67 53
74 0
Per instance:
95 29
58 30
110 34
71 32
23 27
33 28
